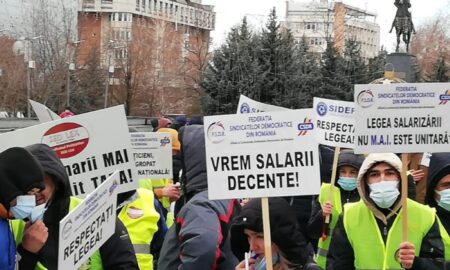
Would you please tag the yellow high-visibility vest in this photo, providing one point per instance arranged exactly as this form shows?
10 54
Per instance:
366 240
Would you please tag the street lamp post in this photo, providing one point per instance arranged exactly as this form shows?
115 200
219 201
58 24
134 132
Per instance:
71 67
110 70
30 65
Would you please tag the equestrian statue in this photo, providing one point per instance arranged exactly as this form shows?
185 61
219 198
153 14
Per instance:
403 23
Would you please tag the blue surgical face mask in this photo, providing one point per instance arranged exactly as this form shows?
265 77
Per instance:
347 183
24 206
384 193
444 199
261 265
38 213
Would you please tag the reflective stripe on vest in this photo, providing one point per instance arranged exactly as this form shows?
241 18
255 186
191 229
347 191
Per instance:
144 248
141 220
366 240
335 212
445 239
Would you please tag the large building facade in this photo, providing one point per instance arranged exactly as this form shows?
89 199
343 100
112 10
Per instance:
319 20
153 50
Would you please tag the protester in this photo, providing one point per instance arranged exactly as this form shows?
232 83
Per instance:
164 123
438 196
154 123
368 234
288 244
344 192
21 178
141 214
66 113
180 121
116 253
200 237
196 120
167 190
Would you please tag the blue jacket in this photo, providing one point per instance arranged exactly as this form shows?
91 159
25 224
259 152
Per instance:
7 247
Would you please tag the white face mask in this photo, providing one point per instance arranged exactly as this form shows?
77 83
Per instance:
384 193
26 208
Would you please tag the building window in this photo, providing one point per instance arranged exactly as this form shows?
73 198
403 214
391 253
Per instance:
316 41
121 53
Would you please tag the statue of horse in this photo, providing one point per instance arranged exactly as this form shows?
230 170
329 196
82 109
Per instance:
403 23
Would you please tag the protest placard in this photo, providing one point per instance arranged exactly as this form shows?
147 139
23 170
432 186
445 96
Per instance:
86 228
43 113
152 154
262 155
90 147
402 118
247 105
335 122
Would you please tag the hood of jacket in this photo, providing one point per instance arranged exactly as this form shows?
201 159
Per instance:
363 188
51 164
284 230
20 172
193 158
439 167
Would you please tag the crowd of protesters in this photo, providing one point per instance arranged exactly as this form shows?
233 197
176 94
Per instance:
171 223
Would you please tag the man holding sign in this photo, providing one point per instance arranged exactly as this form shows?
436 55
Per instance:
116 253
369 232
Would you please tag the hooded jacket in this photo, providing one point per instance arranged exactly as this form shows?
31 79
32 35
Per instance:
200 238
19 173
315 223
284 230
439 167
116 253
341 253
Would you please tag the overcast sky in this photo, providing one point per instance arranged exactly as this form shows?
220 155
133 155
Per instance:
231 12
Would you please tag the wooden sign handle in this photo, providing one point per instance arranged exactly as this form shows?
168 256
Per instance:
266 228
404 197
337 150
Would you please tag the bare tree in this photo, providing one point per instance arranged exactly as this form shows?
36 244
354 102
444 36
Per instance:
12 83
51 28
431 44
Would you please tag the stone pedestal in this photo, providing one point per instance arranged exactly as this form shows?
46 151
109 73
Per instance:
405 66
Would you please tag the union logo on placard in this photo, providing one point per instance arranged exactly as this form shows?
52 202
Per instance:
444 98
165 141
67 139
113 187
365 99
216 132
322 108
245 108
67 229
306 126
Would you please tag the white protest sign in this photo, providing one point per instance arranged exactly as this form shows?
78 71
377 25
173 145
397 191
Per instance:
247 105
86 228
152 154
43 113
402 118
335 123
91 147
267 154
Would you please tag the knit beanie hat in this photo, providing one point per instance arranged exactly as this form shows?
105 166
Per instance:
20 172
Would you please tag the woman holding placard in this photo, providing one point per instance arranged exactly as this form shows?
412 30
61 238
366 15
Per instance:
288 244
